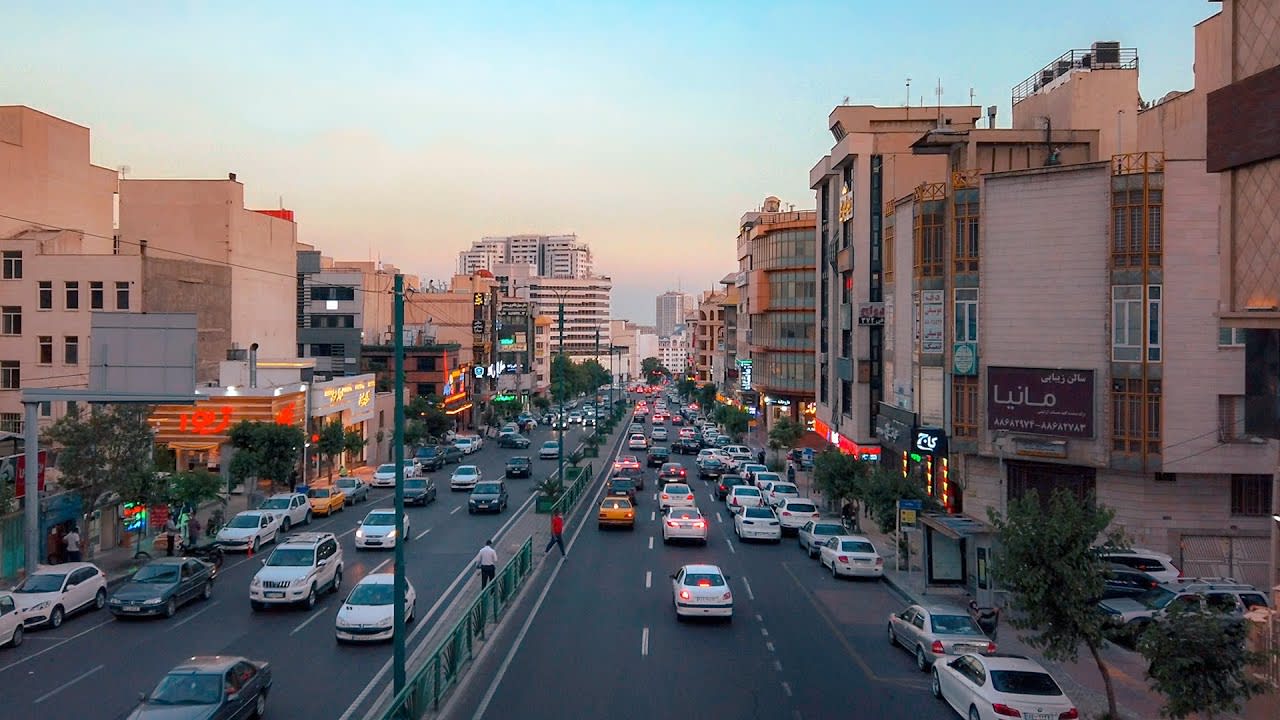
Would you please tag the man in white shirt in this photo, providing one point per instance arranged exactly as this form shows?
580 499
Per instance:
72 539
487 561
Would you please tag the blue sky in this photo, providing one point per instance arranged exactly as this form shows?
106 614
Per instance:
406 130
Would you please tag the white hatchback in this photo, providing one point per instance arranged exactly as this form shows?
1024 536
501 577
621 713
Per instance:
757 523
851 555
249 530
384 475
683 523
795 513
369 612
378 530
701 591
53 592
675 495
658 433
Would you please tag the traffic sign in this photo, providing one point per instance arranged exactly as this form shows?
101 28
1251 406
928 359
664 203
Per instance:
477 327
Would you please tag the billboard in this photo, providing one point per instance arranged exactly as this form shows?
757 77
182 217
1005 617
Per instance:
1261 384
1040 401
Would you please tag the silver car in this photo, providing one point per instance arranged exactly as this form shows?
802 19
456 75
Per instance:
812 534
931 631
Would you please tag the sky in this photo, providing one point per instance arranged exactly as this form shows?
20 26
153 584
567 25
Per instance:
406 130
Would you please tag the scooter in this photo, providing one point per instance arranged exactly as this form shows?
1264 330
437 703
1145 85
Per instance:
209 552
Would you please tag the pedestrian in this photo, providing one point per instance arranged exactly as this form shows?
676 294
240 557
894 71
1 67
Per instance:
171 534
487 561
848 514
193 531
72 540
557 533
760 457
791 472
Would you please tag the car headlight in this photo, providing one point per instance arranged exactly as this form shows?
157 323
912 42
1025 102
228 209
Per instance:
153 601
255 582
360 534
39 606
391 534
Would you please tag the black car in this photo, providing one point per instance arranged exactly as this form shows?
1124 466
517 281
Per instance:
519 466
451 453
162 586
429 458
1123 581
711 468
513 440
686 446
419 491
623 486
726 484
658 456
672 472
488 496
219 687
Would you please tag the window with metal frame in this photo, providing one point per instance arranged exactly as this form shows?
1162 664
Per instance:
966 315
10 375
965 257
1129 404
1127 340
1251 495
11 320
12 265
964 416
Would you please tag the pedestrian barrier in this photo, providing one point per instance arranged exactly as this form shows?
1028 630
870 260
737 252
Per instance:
574 490
444 666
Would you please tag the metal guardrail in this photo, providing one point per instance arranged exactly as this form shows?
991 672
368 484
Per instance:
444 666
575 489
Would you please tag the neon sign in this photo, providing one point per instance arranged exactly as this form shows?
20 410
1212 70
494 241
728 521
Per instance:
216 421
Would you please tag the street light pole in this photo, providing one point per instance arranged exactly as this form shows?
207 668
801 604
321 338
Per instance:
398 616
560 421
597 359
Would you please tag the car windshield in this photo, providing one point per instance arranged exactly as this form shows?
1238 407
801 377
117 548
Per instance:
41 583
487 489
1156 598
745 490
677 489
953 625
158 574
380 519
785 488
759 513
801 507
318 492
387 469
415 484
290 557
465 470
858 546
275 504
685 515
188 689
704 580
1023 682
244 521
372 594
825 529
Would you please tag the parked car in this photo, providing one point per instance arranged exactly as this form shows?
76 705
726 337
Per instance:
814 533
293 509
419 491
1123 581
780 492
219 686
52 592
488 496
326 500
384 475
513 440
932 630
429 458
519 466
250 530
1156 564
12 629
851 555
1132 615
1020 687
162 586
355 490
369 611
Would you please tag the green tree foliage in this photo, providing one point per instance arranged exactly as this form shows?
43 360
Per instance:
653 371
734 420
1199 662
333 442
883 488
425 420
194 487
784 434
265 450
686 388
106 448
841 476
353 442
508 409
578 377
705 396
542 402
1047 562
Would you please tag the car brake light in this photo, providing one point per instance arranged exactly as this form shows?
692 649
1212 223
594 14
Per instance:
688 497
727 596
937 648
630 514
666 496
785 513
879 561
1005 710
672 523
704 583
843 558
1071 714
684 594
699 524
991 649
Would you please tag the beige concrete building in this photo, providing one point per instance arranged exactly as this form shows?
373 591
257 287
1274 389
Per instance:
709 337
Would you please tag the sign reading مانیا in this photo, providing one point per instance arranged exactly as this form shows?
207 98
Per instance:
1039 401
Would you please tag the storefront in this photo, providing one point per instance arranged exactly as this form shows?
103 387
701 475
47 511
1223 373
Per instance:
866 453
458 403
928 461
895 427
199 434
348 399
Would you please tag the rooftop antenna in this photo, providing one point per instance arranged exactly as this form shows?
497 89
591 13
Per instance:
908 105
124 170
970 96
846 100
938 92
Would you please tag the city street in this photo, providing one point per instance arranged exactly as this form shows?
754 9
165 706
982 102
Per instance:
95 666
605 643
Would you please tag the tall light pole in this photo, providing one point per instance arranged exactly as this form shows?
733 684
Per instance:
397 632
560 420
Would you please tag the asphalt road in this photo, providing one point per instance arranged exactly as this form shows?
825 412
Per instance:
603 642
94 666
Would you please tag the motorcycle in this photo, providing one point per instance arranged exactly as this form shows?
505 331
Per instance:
209 552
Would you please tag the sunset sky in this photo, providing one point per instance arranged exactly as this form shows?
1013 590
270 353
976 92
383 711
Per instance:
406 130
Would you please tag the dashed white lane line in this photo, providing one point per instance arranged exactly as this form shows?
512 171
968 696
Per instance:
644 643
655 496
648 579
750 594
653 515
57 645
66 685
764 631
650 542
729 542
306 622
777 665
379 566
193 616
769 646
759 617
786 688
455 510
719 518
422 534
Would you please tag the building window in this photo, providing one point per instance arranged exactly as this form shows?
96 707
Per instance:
966 315
333 321
45 301
964 421
846 398
1251 495
1131 408
12 264
1129 210
930 219
73 408
46 349
73 295
966 230
824 384
426 389
46 409
71 350
122 296
846 343
11 422
887 237
332 292
1127 321
1230 336
1231 418
96 295
11 320
10 374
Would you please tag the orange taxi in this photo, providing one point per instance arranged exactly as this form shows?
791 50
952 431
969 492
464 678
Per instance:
326 500
616 512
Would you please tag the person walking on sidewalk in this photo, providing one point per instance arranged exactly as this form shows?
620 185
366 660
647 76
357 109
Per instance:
487 561
72 539
171 534
193 531
557 533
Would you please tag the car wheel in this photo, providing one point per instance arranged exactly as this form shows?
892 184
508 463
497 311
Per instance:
260 705
337 580
922 664
307 521
893 638
935 685
170 608
207 591
310 602
16 639
973 713
55 617
284 526
834 573
100 599
256 543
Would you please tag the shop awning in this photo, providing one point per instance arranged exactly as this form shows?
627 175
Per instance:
956 527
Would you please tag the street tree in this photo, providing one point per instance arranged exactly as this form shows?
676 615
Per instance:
652 370
735 421
192 488
784 434
542 402
1047 562
265 450
1199 662
353 442
706 397
105 448
428 411
883 488
686 388
841 476
332 442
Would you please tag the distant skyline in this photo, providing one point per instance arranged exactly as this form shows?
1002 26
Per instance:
405 131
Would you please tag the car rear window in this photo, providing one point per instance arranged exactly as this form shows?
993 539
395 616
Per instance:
684 515
801 507
859 546
617 504
825 529
622 483
759 513
1022 682
677 489
954 625
704 580
785 488
745 490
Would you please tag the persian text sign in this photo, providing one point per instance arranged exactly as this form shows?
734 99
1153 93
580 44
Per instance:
932 321
1040 402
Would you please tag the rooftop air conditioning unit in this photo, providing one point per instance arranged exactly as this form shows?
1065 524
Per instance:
1064 67
1046 77
1106 53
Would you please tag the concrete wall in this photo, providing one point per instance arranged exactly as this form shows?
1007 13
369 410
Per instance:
1088 100
174 285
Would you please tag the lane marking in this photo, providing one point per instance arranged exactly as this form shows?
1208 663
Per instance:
193 615
451 512
644 643
307 622
378 567
653 515
729 542
786 688
66 685
769 645
719 517
759 618
422 534
55 646
648 579
764 631
777 665
650 542
750 594
655 496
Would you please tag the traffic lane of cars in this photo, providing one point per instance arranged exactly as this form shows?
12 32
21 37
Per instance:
70 670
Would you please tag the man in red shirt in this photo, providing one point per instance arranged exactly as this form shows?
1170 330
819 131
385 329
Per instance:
557 533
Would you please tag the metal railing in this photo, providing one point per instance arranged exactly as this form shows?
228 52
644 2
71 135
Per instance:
574 490
444 666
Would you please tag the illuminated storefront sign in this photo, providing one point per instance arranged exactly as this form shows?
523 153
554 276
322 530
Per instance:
353 396
211 420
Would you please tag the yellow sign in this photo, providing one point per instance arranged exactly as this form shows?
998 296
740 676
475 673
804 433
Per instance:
366 397
478 299
336 394
908 516
846 203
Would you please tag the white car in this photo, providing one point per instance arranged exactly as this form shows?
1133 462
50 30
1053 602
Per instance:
760 478
658 434
976 685
550 450
384 475
675 495
52 592
795 512
411 468
779 492
812 534
294 509
681 523
637 442
1156 564
477 442
852 555
575 418
249 530
11 625
298 570
378 530
369 612
757 523
740 453
749 470
464 477
743 496
701 591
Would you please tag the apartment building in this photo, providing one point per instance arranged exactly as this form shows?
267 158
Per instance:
673 350
725 365
562 256
586 313
670 310
709 338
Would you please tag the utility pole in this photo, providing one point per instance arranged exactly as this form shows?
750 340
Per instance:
398 618
560 421
597 359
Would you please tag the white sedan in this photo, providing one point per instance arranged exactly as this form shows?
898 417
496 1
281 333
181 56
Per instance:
675 495
658 434
11 625
793 513
637 442
701 591
369 612
780 491
550 450
757 523
378 530
683 523
52 592
851 555
384 475
464 477
998 687
249 530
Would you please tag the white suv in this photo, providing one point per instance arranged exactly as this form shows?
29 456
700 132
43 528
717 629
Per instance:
294 507
298 570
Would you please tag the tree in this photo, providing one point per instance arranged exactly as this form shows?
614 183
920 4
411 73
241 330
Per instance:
734 419
7 493
429 411
542 402
881 491
508 408
653 371
192 488
353 442
106 448
706 397
784 434
333 441
265 450
841 476
686 388
1199 662
1047 562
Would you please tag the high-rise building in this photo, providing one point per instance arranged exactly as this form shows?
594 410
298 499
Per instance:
586 313
673 350
708 337
562 256
672 308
